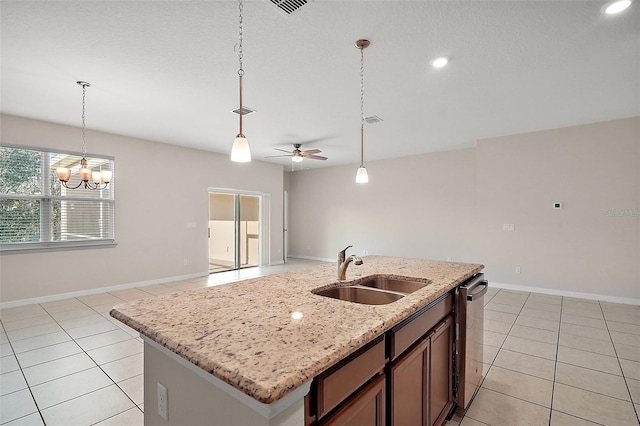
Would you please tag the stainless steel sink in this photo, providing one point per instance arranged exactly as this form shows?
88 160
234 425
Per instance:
364 295
373 291
393 284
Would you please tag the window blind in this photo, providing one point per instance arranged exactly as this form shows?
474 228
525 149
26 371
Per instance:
37 211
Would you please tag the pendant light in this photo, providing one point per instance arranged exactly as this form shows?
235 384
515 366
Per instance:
361 175
240 152
100 179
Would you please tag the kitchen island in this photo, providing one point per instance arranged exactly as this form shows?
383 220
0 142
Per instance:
246 352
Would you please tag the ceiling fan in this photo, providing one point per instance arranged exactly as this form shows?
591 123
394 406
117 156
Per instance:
297 155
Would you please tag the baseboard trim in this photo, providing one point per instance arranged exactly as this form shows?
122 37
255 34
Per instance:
277 262
89 292
320 259
574 294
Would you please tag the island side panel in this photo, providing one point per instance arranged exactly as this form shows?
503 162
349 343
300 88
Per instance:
194 401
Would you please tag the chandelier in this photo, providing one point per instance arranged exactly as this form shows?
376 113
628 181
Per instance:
100 179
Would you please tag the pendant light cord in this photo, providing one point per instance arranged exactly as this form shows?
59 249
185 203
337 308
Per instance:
240 57
361 106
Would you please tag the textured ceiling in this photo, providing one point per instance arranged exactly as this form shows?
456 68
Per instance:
167 71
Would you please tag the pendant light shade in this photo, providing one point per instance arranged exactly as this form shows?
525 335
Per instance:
361 175
240 152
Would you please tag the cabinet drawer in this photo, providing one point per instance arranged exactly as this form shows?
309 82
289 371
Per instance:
365 408
409 331
336 384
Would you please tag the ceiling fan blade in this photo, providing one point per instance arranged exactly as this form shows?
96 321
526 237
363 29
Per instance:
283 150
273 156
312 151
315 157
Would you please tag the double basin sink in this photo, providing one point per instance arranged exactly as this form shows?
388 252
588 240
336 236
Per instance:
373 291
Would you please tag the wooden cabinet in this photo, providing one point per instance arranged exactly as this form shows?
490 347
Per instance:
409 387
403 378
421 381
351 392
441 372
367 407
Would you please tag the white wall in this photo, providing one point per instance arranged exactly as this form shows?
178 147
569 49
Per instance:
159 189
453 204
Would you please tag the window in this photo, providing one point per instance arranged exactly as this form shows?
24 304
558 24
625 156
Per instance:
37 212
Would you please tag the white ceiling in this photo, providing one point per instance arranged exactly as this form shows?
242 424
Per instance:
167 71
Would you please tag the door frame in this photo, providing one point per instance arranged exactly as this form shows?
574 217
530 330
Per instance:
263 223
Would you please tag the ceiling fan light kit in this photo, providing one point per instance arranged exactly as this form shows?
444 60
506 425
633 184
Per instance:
240 151
361 175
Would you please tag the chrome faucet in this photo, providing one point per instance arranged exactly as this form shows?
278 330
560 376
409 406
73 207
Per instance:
343 263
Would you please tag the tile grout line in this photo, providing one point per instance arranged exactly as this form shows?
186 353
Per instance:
555 361
624 377
499 349
83 351
25 378
96 364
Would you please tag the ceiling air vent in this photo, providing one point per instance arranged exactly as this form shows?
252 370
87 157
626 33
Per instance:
373 119
288 6
245 111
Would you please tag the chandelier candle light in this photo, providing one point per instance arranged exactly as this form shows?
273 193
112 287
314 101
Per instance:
100 179
361 175
240 152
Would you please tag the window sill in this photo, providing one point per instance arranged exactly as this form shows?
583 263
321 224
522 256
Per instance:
9 249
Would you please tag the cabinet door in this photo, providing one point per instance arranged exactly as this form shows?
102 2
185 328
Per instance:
409 387
365 408
441 377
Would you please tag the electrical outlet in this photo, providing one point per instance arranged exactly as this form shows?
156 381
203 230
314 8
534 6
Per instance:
508 227
185 261
448 259
163 402
517 270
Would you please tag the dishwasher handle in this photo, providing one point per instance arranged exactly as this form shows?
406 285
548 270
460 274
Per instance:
477 291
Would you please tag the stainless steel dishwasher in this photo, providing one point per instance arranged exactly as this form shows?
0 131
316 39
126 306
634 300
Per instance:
469 339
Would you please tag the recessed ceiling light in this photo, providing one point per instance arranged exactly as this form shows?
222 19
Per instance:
440 62
616 6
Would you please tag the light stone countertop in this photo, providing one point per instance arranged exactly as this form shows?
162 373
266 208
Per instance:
243 332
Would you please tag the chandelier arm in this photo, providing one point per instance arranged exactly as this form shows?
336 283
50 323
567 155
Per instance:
72 187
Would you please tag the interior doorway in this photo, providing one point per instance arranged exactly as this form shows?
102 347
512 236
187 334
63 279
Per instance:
234 231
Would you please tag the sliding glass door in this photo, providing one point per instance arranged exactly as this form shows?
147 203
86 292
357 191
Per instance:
234 231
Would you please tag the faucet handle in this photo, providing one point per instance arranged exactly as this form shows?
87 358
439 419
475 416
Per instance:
342 254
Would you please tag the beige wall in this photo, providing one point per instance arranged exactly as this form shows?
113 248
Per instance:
153 208
453 204
586 246
420 206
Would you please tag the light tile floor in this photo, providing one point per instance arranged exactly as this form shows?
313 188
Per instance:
549 360
552 360
69 363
